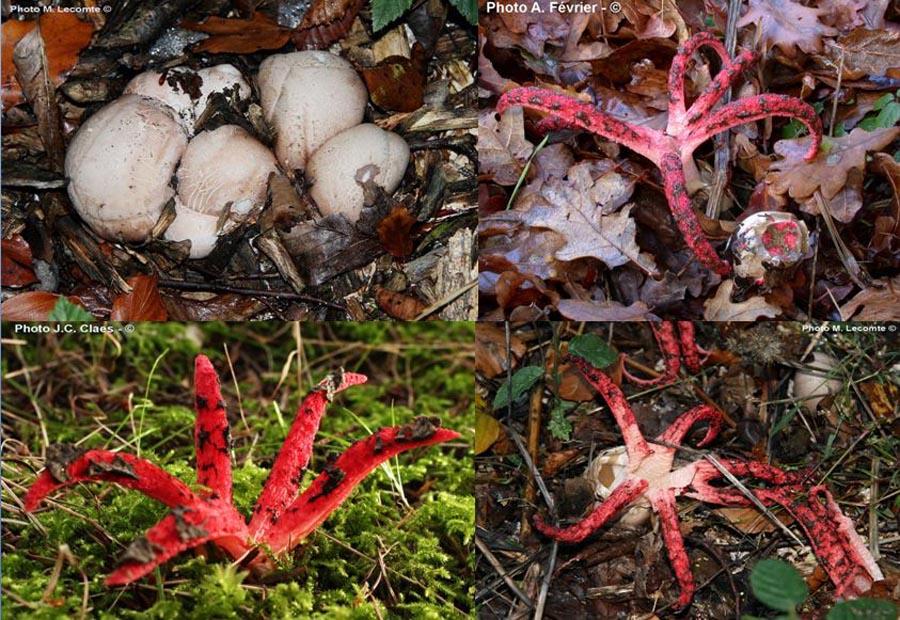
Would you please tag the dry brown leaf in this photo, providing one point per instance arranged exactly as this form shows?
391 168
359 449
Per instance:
35 77
325 22
490 349
786 23
143 303
864 52
572 385
397 84
845 15
878 304
210 307
32 306
721 308
749 520
13 31
602 311
502 147
529 30
828 171
239 36
399 306
579 210
395 232
64 37
555 461
490 82
16 261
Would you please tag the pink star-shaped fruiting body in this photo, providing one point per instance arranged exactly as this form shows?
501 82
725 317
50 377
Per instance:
687 128
651 480
283 516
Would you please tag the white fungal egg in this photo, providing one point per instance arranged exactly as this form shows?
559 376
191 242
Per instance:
119 166
365 153
768 240
222 180
308 97
816 381
186 91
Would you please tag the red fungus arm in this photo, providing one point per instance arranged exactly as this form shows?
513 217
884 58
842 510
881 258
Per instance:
664 333
184 528
284 480
678 69
635 443
689 350
838 547
629 490
66 465
705 473
683 212
567 111
716 89
750 109
663 502
212 435
342 475
680 427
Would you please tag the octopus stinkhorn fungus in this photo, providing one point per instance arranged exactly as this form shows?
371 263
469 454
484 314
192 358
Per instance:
283 516
687 128
651 482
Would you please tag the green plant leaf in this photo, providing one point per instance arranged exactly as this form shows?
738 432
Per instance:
869 123
593 349
864 609
559 426
66 311
522 381
778 585
386 11
468 8
883 101
889 115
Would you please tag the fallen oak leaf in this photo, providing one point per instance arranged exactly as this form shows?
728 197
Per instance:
324 22
502 146
581 209
787 25
721 308
828 172
577 310
399 306
876 304
867 52
397 83
13 31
